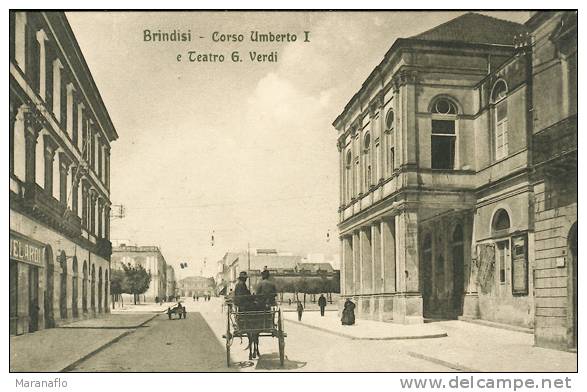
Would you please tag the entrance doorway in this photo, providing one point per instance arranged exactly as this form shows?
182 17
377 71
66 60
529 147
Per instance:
48 298
426 275
33 298
458 267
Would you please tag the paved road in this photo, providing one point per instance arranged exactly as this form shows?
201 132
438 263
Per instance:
195 344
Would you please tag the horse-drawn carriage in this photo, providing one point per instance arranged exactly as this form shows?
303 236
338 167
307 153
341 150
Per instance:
178 309
251 316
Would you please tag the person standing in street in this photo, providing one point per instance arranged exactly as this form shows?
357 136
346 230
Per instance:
322 304
300 310
348 313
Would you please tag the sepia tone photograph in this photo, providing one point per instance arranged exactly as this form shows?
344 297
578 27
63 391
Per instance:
293 191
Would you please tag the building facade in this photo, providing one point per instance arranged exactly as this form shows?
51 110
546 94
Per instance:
196 286
555 177
171 285
60 135
152 260
439 189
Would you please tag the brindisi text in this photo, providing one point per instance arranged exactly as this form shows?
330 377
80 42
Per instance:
236 57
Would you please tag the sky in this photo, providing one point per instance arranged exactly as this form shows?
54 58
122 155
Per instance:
244 151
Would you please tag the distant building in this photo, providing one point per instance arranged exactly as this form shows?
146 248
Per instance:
254 262
196 285
171 282
59 161
284 268
152 260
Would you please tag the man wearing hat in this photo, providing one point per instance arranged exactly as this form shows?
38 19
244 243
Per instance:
241 286
266 288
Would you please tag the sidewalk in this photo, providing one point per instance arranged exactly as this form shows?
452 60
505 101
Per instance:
365 329
149 307
57 349
475 347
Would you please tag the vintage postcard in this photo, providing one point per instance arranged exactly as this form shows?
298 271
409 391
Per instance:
294 191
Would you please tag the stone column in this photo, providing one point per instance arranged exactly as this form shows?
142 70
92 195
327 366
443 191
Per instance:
407 307
366 261
388 267
69 287
356 264
376 258
376 267
348 277
471 300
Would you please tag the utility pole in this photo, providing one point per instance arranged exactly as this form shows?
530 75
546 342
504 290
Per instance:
249 260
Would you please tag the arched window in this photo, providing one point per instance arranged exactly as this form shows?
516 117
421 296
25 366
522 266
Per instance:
501 221
498 99
444 115
367 160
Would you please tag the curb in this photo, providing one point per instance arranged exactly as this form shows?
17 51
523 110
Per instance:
74 364
437 361
431 336
492 324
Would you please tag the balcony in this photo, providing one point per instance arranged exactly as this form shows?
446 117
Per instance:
104 248
50 211
557 145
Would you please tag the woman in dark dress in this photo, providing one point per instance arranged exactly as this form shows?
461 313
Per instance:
348 313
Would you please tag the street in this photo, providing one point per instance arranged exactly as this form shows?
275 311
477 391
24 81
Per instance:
195 344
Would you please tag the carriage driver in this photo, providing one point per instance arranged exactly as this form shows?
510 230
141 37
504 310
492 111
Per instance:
266 288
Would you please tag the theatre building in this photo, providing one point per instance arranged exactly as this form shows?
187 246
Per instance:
60 135
441 201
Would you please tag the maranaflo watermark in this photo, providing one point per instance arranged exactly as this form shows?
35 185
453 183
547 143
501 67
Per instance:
57 382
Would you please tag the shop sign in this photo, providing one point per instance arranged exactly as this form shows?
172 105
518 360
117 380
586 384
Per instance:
23 249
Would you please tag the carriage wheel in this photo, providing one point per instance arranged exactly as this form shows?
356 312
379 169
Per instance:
281 339
228 337
227 353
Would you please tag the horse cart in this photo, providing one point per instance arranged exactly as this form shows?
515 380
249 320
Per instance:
178 309
252 318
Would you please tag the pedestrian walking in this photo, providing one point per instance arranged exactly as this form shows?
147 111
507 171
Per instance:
300 310
194 297
289 301
322 304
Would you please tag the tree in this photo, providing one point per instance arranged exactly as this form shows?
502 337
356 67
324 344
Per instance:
137 280
117 284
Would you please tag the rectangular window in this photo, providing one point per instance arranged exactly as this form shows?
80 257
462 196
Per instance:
443 144
391 157
63 101
49 76
357 182
519 266
377 163
84 206
48 171
391 154
501 131
502 258
85 140
63 184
